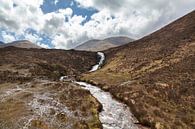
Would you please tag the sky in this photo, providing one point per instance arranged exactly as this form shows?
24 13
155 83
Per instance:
65 24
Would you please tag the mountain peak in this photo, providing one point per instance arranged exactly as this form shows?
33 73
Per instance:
21 44
100 45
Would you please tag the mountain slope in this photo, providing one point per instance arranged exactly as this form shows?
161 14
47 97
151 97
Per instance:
21 44
155 76
100 45
46 63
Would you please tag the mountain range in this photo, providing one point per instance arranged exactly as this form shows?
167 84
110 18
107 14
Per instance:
100 45
20 44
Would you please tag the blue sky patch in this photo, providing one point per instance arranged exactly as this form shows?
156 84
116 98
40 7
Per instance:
50 6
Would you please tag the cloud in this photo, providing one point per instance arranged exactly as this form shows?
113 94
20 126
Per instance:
32 37
43 45
73 32
56 2
60 41
18 15
66 12
67 30
138 18
7 37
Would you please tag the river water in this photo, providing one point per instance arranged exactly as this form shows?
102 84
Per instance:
115 115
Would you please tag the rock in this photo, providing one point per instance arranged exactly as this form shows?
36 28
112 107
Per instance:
132 101
126 98
158 125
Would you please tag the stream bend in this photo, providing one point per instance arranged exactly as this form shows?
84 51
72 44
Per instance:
115 115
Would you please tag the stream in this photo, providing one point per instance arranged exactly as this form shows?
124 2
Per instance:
115 115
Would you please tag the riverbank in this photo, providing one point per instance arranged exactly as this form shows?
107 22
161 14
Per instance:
114 115
155 75
46 104
159 99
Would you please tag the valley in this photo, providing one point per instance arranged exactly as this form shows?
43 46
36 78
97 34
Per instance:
154 76
147 84
114 115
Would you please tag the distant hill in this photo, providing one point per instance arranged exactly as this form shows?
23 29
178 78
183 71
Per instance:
100 45
21 44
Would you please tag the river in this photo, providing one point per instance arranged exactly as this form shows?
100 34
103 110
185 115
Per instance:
115 115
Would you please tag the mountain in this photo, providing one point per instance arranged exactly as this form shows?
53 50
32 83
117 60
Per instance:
155 76
100 45
1 42
21 44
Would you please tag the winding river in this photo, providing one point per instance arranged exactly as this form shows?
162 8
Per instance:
115 115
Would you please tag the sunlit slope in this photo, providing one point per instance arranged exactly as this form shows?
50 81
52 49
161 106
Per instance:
155 75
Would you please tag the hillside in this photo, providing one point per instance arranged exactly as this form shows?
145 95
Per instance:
21 44
31 95
155 76
100 45
44 63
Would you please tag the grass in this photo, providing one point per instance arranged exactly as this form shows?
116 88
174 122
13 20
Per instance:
16 109
161 92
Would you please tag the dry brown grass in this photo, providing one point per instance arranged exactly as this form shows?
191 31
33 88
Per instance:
155 76
16 108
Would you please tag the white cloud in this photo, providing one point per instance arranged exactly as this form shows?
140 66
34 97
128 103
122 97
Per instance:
66 12
114 17
33 3
86 3
56 2
21 16
32 37
43 45
60 42
139 17
7 37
